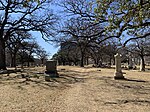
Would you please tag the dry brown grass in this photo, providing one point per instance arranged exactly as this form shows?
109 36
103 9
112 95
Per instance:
76 90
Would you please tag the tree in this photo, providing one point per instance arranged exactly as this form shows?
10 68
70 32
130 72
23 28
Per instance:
103 52
82 33
15 43
31 48
26 51
125 20
118 17
125 17
21 15
69 53
41 54
91 28
141 48
61 57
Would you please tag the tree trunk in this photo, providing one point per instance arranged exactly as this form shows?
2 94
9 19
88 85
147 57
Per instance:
13 60
96 62
110 61
28 64
2 56
42 62
82 60
87 61
22 62
22 65
114 61
142 64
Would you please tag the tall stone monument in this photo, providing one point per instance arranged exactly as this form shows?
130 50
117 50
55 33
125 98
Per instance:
51 69
142 68
118 71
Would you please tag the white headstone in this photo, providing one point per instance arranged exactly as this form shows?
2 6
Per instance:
141 66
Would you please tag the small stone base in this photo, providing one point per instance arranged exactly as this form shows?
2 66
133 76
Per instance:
119 78
49 75
54 75
47 78
119 75
51 72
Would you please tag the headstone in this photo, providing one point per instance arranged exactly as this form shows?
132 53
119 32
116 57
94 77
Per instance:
118 71
141 66
51 66
51 69
47 77
130 66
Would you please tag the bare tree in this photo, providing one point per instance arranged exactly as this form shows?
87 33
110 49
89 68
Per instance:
22 15
82 33
141 48
15 43
41 54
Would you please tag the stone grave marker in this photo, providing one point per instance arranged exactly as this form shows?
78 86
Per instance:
118 71
141 66
51 69
130 66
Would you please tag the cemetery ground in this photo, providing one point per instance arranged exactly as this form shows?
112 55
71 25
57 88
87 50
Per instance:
76 90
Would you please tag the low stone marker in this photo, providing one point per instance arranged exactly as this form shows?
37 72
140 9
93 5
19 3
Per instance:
118 71
51 69
51 66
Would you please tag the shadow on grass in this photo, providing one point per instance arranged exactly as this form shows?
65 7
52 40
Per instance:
63 81
125 79
9 71
134 80
74 71
133 101
133 85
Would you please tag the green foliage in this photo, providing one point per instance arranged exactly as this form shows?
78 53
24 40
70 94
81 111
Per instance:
26 2
124 15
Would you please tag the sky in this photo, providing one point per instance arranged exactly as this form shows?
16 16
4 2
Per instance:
50 48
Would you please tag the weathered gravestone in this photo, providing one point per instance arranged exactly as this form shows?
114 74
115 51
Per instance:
130 66
142 68
51 69
118 71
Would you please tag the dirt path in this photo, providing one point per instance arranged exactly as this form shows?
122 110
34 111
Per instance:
79 97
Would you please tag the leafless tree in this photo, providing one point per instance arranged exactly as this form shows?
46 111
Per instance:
20 15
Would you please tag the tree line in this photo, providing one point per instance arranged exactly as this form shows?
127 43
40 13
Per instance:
84 28
18 17
99 29
22 48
